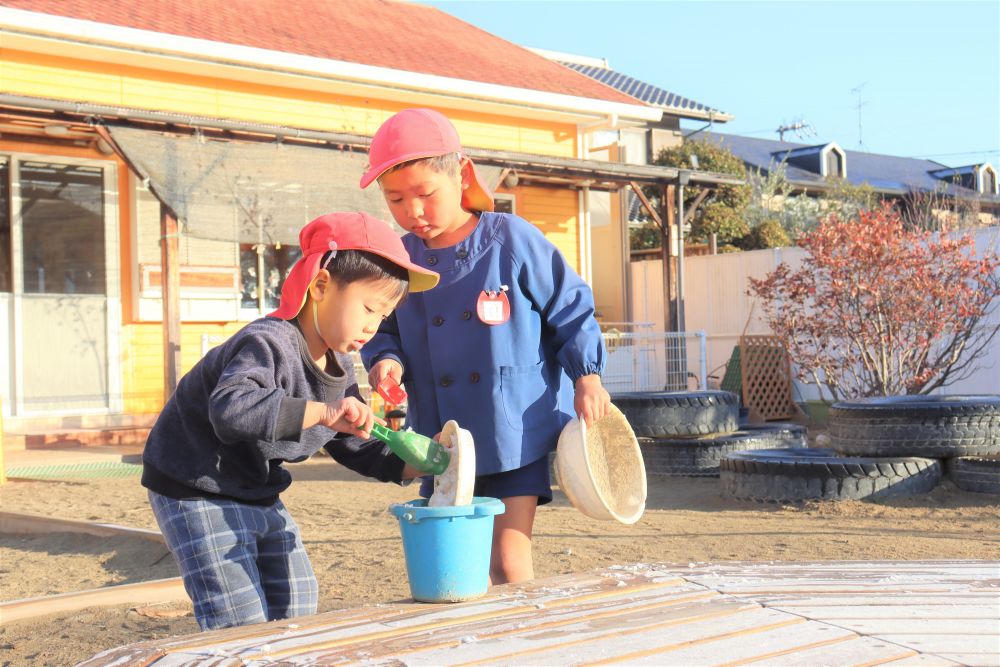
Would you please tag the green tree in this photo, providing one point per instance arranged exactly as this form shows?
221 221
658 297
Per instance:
722 211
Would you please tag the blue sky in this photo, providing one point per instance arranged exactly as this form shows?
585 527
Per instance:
929 72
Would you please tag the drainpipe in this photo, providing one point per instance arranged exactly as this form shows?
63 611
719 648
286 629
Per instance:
683 178
587 268
583 131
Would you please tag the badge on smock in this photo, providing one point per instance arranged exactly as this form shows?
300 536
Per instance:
493 307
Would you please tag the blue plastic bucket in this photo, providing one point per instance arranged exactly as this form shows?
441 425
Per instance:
447 549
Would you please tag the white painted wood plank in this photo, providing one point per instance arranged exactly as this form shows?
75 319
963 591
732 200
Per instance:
793 639
986 645
862 609
988 601
720 632
486 643
857 651
434 618
550 623
913 626
923 660
974 659
574 643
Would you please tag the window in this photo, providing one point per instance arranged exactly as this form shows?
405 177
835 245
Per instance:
263 269
6 281
504 204
989 181
62 217
834 164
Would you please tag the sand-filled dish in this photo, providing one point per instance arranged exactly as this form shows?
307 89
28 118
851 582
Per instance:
600 469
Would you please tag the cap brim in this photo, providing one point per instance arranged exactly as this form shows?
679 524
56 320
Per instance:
420 279
296 287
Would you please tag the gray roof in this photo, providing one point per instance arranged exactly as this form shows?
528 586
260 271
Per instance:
887 174
648 93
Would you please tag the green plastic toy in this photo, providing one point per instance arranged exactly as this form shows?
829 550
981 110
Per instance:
419 451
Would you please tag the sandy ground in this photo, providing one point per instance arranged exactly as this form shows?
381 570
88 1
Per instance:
357 553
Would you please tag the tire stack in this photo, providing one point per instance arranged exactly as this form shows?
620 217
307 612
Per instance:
880 448
688 433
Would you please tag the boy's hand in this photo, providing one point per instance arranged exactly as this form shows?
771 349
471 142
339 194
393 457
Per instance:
349 415
383 369
592 400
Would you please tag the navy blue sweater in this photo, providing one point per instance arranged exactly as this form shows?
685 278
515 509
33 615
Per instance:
236 417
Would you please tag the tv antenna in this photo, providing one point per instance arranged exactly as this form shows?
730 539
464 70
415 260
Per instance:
857 91
799 127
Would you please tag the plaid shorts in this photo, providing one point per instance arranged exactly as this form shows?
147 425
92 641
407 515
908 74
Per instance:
240 563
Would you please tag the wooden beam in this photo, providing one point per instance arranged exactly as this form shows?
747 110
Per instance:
170 294
689 211
637 189
146 592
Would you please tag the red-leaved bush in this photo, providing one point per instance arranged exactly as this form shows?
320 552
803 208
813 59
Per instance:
877 310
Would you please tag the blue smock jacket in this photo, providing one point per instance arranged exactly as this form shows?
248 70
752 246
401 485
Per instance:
510 384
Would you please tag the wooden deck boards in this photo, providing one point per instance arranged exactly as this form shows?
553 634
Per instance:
929 613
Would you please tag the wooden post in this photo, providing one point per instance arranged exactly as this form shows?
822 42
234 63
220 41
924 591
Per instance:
3 473
170 287
670 220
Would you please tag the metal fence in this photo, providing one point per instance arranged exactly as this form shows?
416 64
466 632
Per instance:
654 361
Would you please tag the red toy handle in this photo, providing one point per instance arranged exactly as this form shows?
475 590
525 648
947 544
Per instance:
391 392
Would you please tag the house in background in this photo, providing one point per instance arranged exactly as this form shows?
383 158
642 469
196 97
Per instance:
156 164
635 145
813 169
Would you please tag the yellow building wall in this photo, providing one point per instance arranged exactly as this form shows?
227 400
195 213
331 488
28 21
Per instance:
55 77
555 213
142 359
23 73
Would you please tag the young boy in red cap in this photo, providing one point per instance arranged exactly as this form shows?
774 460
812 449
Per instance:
277 391
506 345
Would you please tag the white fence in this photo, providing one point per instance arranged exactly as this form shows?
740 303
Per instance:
655 361
717 303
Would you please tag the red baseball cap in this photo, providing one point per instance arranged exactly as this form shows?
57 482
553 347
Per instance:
344 231
413 134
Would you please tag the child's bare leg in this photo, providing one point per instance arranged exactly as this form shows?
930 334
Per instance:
510 562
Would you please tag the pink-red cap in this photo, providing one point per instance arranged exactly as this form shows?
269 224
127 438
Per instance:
413 134
345 231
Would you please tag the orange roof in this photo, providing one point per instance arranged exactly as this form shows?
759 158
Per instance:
383 33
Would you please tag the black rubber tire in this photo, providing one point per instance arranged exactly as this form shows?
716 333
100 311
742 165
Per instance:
661 414
933 426
700 456
796 475
976 473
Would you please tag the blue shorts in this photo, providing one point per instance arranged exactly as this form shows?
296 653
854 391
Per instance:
530 480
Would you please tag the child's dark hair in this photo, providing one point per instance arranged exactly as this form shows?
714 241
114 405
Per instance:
449 163
351 266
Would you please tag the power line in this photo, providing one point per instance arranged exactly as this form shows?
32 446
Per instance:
987 152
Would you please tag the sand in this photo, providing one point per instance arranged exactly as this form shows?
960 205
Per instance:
357 553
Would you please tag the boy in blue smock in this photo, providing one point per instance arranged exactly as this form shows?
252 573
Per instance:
276 392
506 344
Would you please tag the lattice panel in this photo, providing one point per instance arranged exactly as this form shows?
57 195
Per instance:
767 381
